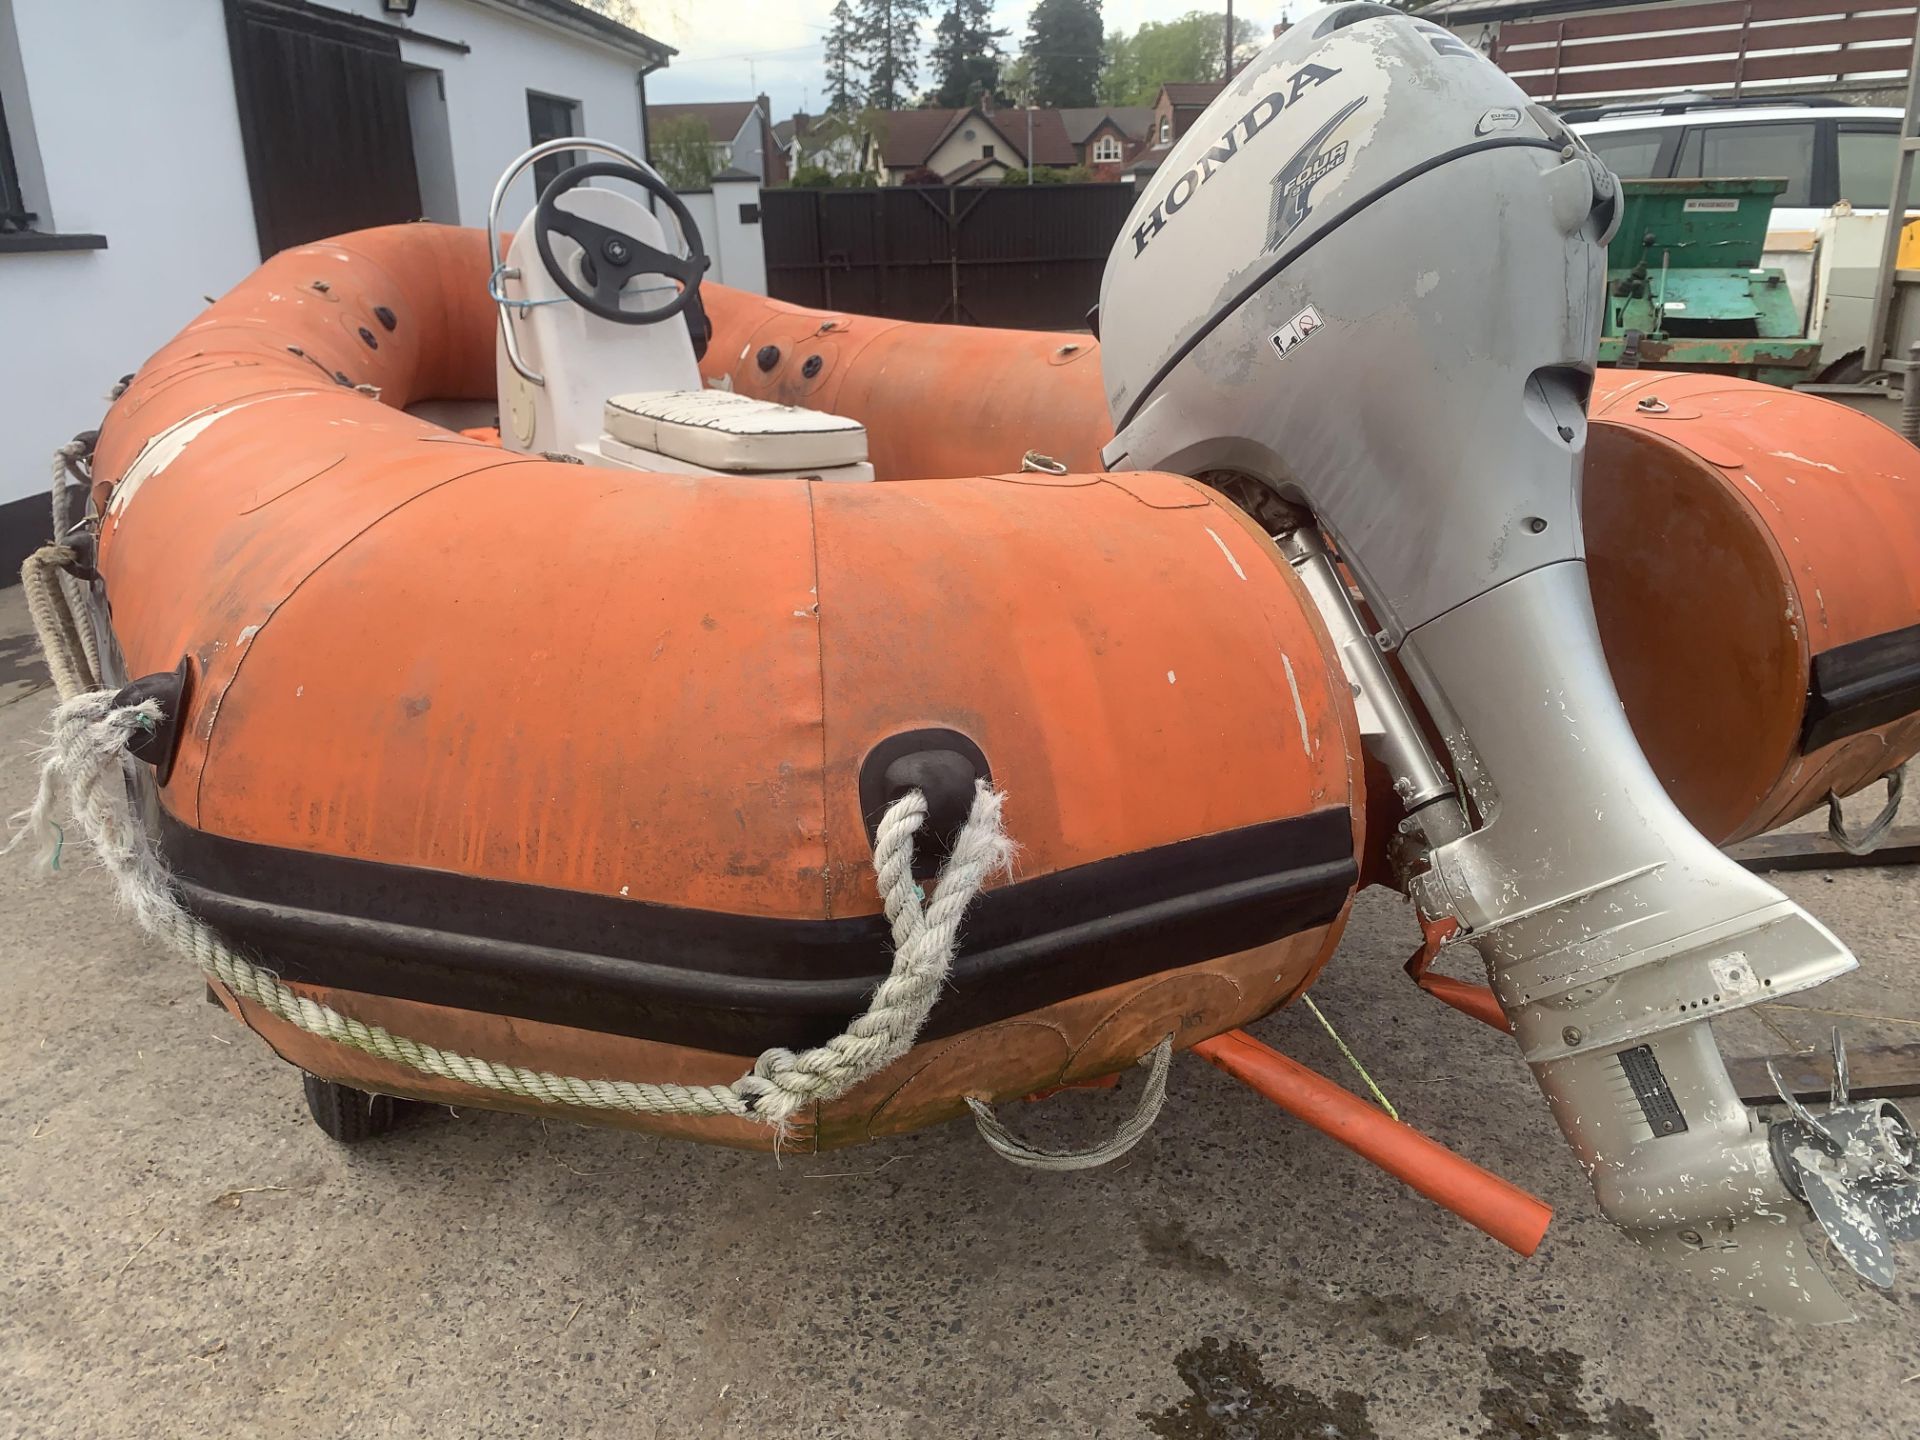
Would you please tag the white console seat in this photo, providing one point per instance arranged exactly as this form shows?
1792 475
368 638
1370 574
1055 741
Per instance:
720 432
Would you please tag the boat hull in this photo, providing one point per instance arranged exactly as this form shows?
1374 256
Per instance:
569 767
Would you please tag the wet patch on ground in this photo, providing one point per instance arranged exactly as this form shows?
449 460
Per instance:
1168 1241
1232 1399
1404 1321
1399 1320
1537 1397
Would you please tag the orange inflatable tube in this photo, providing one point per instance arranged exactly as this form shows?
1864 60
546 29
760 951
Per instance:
1755 552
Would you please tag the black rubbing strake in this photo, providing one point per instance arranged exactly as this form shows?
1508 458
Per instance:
1861 686
739 983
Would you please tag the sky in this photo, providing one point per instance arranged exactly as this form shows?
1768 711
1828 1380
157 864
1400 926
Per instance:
735 49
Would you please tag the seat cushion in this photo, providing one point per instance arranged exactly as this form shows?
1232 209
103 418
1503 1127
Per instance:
719 430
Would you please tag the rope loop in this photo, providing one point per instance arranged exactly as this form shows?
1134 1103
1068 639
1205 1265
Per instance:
1867 840
499 296
87 757
1132 1130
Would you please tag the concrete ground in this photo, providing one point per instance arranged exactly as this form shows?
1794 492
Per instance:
183 1254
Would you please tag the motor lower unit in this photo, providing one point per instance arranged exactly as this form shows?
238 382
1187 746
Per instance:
1371 280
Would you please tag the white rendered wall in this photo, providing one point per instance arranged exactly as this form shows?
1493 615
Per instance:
735 248
700 205
137 136
487 90
739 254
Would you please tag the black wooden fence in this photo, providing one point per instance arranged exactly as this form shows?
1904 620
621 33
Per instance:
1024 256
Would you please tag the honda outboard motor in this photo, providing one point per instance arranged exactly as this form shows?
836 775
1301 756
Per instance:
1363 293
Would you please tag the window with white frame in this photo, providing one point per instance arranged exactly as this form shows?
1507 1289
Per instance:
1106 150
1166 129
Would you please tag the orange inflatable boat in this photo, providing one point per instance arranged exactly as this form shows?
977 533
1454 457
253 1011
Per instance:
580 767
515 672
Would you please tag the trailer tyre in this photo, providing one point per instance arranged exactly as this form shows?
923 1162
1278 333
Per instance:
349 1116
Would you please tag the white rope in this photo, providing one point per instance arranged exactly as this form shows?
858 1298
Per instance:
88 757
54 619
58 598
1133 1129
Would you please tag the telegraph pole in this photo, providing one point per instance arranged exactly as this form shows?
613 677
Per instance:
1226 65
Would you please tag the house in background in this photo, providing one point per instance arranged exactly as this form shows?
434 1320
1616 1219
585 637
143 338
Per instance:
741 133
956 145
821 141
1175 109
976 146
1105 138
152 153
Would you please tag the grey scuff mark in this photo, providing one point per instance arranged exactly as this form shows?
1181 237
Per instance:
1226 552
1299 710
1803 460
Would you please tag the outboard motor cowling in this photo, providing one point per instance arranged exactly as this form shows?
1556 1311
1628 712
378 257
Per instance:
1360 233
1364 293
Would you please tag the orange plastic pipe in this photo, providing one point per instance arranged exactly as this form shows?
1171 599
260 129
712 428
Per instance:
1506 1212
1475 1000
1469 999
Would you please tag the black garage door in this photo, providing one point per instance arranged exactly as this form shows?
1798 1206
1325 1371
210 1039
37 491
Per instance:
323 117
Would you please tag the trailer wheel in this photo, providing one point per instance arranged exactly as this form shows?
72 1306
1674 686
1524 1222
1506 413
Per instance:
346 1114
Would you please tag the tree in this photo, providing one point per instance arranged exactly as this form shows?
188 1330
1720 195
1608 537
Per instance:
834 143
627 12
1185 49
1016 80
888 44
844 95
683 152
966 54
1064 42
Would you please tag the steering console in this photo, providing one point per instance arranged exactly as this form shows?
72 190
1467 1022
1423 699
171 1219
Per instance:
612 257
